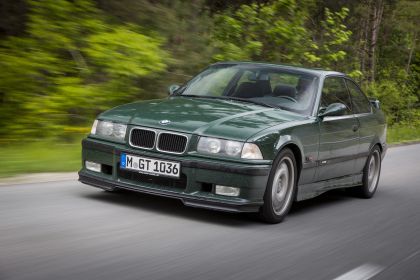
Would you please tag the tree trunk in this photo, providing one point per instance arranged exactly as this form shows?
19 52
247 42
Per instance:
364 26
376 9
410 55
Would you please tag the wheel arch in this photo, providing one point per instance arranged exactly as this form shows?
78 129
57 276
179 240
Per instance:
377 142
297 152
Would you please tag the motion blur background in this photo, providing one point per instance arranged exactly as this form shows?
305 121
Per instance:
63 62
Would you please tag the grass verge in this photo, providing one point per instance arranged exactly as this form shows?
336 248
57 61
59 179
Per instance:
401 134
39 157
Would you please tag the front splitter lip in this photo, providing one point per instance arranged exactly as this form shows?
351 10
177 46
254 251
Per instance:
187 199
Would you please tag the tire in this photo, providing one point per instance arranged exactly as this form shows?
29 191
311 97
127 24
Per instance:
281 188
371 175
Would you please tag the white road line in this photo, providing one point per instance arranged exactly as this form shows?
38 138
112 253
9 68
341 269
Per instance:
363 272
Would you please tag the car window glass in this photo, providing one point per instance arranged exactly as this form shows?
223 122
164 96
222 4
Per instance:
283 78
247 76
252 84
212 82
283 88
335 91
359 101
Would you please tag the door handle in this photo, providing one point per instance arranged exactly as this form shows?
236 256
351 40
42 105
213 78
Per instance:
355 128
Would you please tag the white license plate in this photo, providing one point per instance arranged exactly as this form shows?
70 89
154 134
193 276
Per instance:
150 166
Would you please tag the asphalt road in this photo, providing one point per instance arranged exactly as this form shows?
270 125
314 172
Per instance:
66 230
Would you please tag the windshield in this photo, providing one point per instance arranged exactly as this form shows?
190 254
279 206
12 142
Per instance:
264 85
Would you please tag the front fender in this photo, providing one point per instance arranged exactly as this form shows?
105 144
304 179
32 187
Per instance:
285 140
303 138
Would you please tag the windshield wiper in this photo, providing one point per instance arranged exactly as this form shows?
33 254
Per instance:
232 98
251 101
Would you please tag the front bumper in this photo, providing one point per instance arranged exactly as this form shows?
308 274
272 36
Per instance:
199 175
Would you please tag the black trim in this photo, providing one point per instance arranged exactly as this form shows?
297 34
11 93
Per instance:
341 159
88 144
252 170
333 160
187 199
257 170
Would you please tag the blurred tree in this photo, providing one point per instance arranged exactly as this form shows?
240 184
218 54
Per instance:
396 81
376 10
12 17
185 25
329 41
273 32
277 32
71 65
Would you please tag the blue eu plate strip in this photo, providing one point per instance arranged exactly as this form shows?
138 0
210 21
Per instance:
123 160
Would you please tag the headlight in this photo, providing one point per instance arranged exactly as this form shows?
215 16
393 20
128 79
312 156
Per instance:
208 145
251 151
109 129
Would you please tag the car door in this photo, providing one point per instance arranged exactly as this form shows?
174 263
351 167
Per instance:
368 123
338 135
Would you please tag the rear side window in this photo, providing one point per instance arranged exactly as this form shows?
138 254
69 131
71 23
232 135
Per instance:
359 101
335 91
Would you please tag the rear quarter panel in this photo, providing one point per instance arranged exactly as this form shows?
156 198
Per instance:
372 131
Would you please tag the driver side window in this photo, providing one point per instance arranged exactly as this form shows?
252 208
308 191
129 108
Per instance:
335 91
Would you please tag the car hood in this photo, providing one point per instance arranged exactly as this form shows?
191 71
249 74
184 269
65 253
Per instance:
203 116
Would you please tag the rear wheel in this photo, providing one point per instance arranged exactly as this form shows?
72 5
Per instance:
371 174
281 188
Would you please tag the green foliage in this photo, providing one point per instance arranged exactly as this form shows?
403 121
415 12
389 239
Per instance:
277 32
186 26
71 65
328 50
273 32
396 99
110 50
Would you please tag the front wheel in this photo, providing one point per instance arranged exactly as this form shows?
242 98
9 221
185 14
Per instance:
371 174
281 188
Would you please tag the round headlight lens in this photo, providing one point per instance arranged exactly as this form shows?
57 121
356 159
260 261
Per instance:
214 146
105 128
209 145
119 130
233 148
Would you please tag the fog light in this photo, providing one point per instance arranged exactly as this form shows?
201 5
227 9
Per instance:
93 166
228 191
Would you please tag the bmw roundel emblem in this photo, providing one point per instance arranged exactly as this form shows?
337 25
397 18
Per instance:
165 122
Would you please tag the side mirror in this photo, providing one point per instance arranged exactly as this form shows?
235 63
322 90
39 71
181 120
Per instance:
173 88
375 103
334 109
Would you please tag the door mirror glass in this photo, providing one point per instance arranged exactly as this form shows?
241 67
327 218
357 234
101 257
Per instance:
173 88
334 109
375 103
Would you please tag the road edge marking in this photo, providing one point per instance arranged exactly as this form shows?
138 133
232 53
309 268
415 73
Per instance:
363 272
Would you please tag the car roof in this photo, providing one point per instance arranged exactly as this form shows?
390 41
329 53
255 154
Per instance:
313 71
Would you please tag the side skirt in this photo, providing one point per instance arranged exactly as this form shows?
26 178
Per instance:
311 190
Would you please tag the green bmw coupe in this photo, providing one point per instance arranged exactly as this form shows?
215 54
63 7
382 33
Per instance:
242 137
